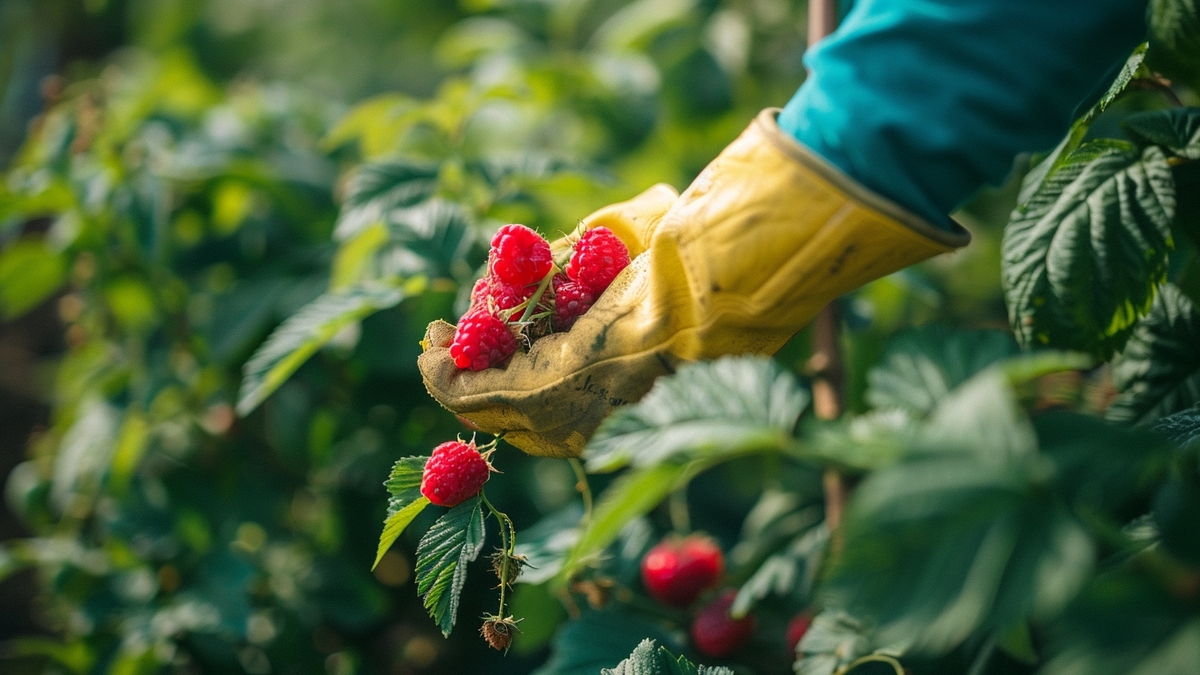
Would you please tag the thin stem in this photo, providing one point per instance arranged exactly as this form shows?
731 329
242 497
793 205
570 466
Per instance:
507 542
677 508
581 484
537 295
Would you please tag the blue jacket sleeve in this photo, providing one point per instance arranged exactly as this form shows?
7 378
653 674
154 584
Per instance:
925 101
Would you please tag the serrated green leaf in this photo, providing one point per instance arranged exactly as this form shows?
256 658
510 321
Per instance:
1176 130
790 572
835 640
648 660
394 526
442 556
1042 170
599 640
1083 258
1158 373
921 366
306 331
1124 624
631 495
1182 428
405 503
722 407
378 187
437 231
1175 38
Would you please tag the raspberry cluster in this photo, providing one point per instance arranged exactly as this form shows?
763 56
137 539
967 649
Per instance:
524 294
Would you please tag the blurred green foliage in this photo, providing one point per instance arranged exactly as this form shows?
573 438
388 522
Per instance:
244 262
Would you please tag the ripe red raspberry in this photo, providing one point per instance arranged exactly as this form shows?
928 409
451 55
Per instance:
676 571
454 473
796 629
598 258
501 294
571 300
519 257
481 340
715 633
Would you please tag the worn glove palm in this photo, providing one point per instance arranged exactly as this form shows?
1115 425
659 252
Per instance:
763 238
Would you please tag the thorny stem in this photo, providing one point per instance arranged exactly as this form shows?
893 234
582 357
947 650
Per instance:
581 484
508 541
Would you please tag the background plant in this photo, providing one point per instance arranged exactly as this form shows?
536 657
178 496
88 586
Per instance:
243 269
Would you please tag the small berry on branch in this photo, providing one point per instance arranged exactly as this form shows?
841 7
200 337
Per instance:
454 473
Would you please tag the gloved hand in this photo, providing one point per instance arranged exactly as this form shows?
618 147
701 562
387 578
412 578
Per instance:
763 238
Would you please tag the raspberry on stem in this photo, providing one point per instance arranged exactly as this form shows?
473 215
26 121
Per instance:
715 633
571 300
676 571
502 295
481 340
454 472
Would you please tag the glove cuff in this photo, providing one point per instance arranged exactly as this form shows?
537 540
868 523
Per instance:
766 125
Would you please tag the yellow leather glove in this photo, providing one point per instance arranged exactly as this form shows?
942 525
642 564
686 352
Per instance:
764 238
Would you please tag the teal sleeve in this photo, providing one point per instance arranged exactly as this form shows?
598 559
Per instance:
926 101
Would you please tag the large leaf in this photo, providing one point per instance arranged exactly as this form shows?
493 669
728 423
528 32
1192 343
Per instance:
442 557
1082 259
1175 38
1159 371
377 188
725 406
921 366
1126 625
631 495
599 640
646 660
30 271
305 332
406 502
1176 130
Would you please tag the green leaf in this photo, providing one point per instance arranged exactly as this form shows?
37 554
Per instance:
1124 624
790 572
442 556
406 501
306 331
722 407
1041 171
1182 428
834 641
1175 38
546 544
630 495
646 660
1158 373
377 188
599 640
921 366
1083 258
1176 130
30 272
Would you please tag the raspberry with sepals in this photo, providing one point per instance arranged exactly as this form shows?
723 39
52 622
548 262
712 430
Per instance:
598 258
571 300
481 340
454 472
715 633
796 629
520 257
676 571
503 295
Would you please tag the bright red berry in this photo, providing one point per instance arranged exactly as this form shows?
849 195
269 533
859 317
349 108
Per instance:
455 472
481 340
717 634
796 629
520 257
598 258
571 300
501 294
676 571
